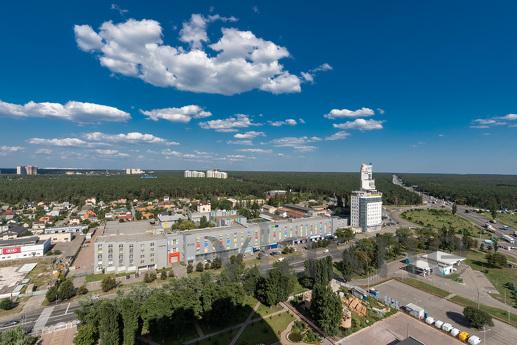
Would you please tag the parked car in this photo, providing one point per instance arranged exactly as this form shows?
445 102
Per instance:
438 324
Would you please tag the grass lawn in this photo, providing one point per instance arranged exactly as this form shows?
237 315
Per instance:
505 218
94 277
264 310
497 276
436 219
266 331
220 339
495 312
433 290
41 275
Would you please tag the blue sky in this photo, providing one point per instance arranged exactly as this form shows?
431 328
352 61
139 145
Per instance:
260 85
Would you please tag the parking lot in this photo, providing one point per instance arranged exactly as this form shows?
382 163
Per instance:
444 310
396 328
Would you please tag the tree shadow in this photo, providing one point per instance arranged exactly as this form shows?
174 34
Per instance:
458 318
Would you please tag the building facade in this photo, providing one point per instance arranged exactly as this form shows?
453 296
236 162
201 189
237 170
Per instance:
137 252
366 204
26 170
23 247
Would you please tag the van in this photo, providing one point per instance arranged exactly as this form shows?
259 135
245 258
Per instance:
438 324
454 332
429 320
474 340
447 327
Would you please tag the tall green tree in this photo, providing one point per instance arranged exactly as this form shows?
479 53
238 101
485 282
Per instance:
108 324
130 312
326 309
86 335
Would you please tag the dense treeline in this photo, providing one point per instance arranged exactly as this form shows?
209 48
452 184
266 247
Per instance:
484 191
243 184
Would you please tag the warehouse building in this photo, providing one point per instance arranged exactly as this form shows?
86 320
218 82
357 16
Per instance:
23 247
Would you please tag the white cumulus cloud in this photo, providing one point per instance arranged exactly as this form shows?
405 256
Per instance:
505 120
183 114
338 136
231 124
72 111
61 142
286 122
300 144
360 124
345 113
110 153
249 135
131 137
4 150
238 62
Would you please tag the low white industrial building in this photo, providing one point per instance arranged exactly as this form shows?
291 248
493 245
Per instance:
436 262
23 247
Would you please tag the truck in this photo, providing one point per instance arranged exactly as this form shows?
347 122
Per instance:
489 227
508 239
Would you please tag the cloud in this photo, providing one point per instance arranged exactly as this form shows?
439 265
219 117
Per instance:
346 113
300 144
338 136
61 142
360 124
238 62
309 75
240 142
43 152
231 124
72 111
286 122
110 153
5 150
131 137
249 135
505 120
183 114
119 9
257 151
194 30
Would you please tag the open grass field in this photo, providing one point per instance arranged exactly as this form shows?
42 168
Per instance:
497 276
436 219
266 331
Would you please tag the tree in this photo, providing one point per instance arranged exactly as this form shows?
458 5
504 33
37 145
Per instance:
130 312
477 318
217 263
493 213
108 283
277 286
86 335
190 268
163 275
251 279
200 267
204 223
52 293
66 290
149 277
16 336
345 235
320 271
326 309
454 208
496 259
108 324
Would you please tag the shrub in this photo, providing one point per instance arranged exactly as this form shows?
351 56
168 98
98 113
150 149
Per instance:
66 290
163 275
7 304
108 283
477 318
200 267
149 277
52 293
82 290
171 273
190 268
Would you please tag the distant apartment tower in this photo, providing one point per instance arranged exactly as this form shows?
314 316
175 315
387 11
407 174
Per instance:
366 204
216 174
193 173
134 171
26 170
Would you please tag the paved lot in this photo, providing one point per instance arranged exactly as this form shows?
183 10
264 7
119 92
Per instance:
442 309
399 327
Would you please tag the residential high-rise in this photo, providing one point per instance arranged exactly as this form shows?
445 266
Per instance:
26 170
134 171
366 204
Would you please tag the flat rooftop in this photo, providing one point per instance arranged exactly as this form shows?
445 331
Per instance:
131 228
21 241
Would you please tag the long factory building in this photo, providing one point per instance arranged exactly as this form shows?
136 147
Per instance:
137 246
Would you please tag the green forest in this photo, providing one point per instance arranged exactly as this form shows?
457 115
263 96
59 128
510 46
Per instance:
485 191
241 184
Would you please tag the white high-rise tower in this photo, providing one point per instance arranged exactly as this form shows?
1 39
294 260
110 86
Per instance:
366 204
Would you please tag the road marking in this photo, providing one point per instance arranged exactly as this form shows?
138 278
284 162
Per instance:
42 320
68 306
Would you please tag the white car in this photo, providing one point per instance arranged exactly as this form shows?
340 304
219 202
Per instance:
429 320
447 327
454 332
474 340
438 324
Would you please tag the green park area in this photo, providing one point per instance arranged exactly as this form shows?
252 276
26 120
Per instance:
437 219
501 276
